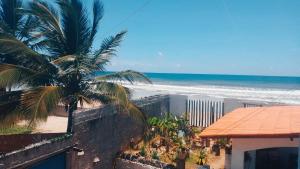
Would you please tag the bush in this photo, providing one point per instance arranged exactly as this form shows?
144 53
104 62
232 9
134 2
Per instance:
202 156
222 142
143 152
155 155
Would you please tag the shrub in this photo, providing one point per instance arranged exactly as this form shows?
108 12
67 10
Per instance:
143 152
202 156
155 155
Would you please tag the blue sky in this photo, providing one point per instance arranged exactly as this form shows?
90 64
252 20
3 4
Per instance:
260 37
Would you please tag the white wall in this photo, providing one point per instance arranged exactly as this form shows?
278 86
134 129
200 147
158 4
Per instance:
178 104
240 145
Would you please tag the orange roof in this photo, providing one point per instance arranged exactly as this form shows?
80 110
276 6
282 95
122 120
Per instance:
277 121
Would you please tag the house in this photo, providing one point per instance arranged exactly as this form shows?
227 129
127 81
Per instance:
261 137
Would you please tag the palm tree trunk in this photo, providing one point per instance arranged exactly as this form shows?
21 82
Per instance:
71 109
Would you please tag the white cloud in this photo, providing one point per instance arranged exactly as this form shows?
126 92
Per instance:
160 54
178 65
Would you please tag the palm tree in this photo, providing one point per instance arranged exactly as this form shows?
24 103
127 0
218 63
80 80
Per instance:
15 24
19 26
64 72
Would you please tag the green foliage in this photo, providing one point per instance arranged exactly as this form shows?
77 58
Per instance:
58 63
143 152
222 142
15 130
154 155
61 138
202 154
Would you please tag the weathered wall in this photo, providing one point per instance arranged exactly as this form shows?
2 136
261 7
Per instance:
154 105
102 133
13 142
125 164
33 153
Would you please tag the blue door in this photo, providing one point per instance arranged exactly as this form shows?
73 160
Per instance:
55 162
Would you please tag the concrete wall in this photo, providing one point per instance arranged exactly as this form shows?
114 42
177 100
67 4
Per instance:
178 104
104 132
240 145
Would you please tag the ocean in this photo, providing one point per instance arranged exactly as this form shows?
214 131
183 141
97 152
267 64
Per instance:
277 89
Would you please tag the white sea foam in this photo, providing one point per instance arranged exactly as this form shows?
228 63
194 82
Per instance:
285 96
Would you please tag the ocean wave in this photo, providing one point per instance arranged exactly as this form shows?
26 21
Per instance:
286 96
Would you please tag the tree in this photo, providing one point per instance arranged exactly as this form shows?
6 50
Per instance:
15 24
18 25
64 70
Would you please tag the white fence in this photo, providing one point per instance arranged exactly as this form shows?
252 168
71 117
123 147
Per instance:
204 112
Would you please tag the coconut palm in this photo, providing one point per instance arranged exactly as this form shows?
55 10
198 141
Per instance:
65 72
18 25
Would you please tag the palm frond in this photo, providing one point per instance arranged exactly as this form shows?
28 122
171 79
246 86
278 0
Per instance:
119 93
136 113
98 97
128 75
50 26
67 58
46 13
9 15
107 50
97 16
37 103
9 102
83 99
11 75
75 24
15 48
25 30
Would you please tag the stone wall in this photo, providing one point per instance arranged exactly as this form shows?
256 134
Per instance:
126 164
36 152
9 143
154 105
103 133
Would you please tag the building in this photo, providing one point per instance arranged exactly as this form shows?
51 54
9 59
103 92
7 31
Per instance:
261 137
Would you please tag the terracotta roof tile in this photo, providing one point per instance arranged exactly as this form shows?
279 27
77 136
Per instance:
276 121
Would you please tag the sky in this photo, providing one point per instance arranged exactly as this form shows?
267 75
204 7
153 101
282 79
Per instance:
257 37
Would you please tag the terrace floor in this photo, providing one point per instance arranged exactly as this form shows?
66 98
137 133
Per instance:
54 124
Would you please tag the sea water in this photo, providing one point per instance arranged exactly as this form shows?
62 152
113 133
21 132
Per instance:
278 89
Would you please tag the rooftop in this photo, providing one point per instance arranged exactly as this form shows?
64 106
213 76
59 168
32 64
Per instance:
276 121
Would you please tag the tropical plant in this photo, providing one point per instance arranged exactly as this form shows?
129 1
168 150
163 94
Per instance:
202 156
166 127
154 155
64 71
143 152
19 26
183 125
